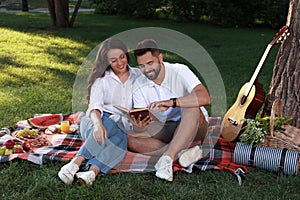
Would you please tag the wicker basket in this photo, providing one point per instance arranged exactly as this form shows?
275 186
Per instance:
279 140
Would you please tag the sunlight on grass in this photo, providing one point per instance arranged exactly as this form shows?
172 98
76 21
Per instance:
33 66
30 48
31 56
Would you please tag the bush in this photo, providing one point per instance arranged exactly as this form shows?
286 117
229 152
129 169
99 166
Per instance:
233 13
274 13
137 8
109 7
221 12
187 10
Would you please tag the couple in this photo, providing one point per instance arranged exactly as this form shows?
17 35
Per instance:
171 89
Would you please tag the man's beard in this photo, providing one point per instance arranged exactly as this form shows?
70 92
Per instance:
153 73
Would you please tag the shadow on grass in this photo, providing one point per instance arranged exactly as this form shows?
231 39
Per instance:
61 77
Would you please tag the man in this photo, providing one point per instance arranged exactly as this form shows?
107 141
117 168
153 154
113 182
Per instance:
177 97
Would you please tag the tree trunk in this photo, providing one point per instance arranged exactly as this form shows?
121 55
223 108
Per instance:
51 9
24 5
59 13
62 13
77 6
285 83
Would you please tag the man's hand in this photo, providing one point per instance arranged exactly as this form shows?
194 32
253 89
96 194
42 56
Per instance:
140 123
159 106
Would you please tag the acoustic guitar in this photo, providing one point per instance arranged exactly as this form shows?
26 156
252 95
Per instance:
245 105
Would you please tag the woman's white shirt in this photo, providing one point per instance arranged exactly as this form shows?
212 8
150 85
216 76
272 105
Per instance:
108 91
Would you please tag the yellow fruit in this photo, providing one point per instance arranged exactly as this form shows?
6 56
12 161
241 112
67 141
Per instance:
17 146
2 150
8 152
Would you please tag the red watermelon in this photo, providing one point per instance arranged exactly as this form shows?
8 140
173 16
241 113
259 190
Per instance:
43 121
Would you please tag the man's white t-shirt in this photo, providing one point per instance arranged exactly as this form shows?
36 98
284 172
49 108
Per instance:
179 81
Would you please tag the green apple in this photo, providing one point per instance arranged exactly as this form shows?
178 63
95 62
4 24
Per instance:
8 152
2 150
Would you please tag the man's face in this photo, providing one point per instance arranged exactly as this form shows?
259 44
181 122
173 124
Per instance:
150 65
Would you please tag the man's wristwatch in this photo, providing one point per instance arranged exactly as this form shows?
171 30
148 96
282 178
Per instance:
174 102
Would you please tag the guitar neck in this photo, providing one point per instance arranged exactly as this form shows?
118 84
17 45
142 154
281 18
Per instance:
257 70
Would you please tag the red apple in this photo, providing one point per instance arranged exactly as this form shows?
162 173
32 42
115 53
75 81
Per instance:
26 146
18 150
9 144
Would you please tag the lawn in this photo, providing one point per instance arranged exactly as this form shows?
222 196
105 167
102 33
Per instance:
38 69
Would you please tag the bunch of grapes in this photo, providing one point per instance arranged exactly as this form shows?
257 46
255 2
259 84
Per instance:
26 132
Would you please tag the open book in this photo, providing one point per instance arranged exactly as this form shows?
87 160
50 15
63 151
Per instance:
142 112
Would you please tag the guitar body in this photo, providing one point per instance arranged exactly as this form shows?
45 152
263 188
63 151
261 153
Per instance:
233 119
257 102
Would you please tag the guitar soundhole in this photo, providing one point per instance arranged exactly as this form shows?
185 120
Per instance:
233 122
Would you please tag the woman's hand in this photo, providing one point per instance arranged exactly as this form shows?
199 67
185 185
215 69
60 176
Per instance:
100 133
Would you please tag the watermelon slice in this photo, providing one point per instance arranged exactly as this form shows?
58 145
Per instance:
43 121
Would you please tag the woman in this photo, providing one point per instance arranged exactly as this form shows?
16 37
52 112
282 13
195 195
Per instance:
104 133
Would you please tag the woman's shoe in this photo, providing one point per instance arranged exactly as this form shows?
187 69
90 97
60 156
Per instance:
87 177
67 172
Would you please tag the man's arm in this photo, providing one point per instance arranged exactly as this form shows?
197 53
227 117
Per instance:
198 97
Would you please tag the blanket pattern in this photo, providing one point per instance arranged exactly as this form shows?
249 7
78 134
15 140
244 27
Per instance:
218 153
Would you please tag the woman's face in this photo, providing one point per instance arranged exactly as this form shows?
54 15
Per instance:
118 61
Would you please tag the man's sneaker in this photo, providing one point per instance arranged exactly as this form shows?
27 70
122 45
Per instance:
67 172
164 168
87 177
190 156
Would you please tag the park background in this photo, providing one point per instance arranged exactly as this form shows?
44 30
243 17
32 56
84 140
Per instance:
39 64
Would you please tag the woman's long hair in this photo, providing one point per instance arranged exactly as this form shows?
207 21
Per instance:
101 63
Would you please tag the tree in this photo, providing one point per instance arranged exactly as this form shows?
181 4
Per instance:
285 83
24 5
59 13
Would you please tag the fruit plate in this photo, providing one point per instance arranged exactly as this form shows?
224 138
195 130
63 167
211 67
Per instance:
37 141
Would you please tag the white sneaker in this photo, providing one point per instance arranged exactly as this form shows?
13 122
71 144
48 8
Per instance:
67 172
190 156
87 177
164 168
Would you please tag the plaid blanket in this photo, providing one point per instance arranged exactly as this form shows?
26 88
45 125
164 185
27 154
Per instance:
218 153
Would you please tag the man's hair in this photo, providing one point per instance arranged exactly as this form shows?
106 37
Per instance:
145 46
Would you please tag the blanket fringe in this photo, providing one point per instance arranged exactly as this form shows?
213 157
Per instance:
240 175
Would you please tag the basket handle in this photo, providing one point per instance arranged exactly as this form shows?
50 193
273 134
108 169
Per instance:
276 103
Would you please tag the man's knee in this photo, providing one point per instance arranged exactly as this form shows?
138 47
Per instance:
191 113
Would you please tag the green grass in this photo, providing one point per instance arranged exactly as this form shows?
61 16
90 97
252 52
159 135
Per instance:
38 66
